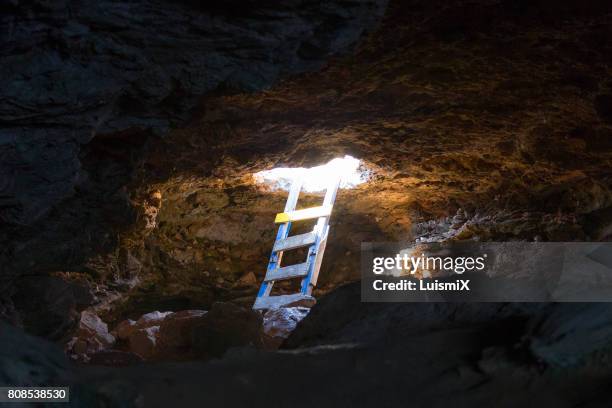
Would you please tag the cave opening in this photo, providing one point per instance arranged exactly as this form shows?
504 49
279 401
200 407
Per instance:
351 171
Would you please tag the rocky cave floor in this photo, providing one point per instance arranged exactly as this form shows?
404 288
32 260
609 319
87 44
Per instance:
488 122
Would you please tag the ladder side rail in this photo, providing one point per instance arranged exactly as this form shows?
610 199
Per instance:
320 230
275 258
318 260
283 232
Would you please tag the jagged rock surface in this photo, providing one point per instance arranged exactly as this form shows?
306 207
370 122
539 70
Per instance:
278 324
83 86
488 107
92 336
554 335
182 335
484 106
457 350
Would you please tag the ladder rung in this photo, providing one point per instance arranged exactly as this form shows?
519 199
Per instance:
296 241
288 272
305 214
274 302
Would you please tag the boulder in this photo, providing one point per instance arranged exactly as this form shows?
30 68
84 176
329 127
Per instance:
175 331
92 326
279 323
160 335
141 335
225 326
144 341
49 306
198 333
152 318
340 317
125 329
91 337
31 361
569 332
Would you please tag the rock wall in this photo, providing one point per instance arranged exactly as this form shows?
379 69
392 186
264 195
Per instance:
85 84
75 70
481 120
495 108
491 108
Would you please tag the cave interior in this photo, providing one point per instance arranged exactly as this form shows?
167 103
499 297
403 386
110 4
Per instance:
146 147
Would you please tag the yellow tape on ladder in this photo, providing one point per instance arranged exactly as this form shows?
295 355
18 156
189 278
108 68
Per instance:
305 214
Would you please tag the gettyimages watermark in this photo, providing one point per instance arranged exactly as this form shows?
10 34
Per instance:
486 272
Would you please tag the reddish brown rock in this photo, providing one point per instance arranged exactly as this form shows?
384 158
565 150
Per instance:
152 318
91 336
160 335
128 327
197 333
125 329
141 335
175 333
144 341
226 326
247 279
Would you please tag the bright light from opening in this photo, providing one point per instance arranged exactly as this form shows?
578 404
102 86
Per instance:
316 178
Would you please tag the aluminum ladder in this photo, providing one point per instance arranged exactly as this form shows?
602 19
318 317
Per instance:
315 240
